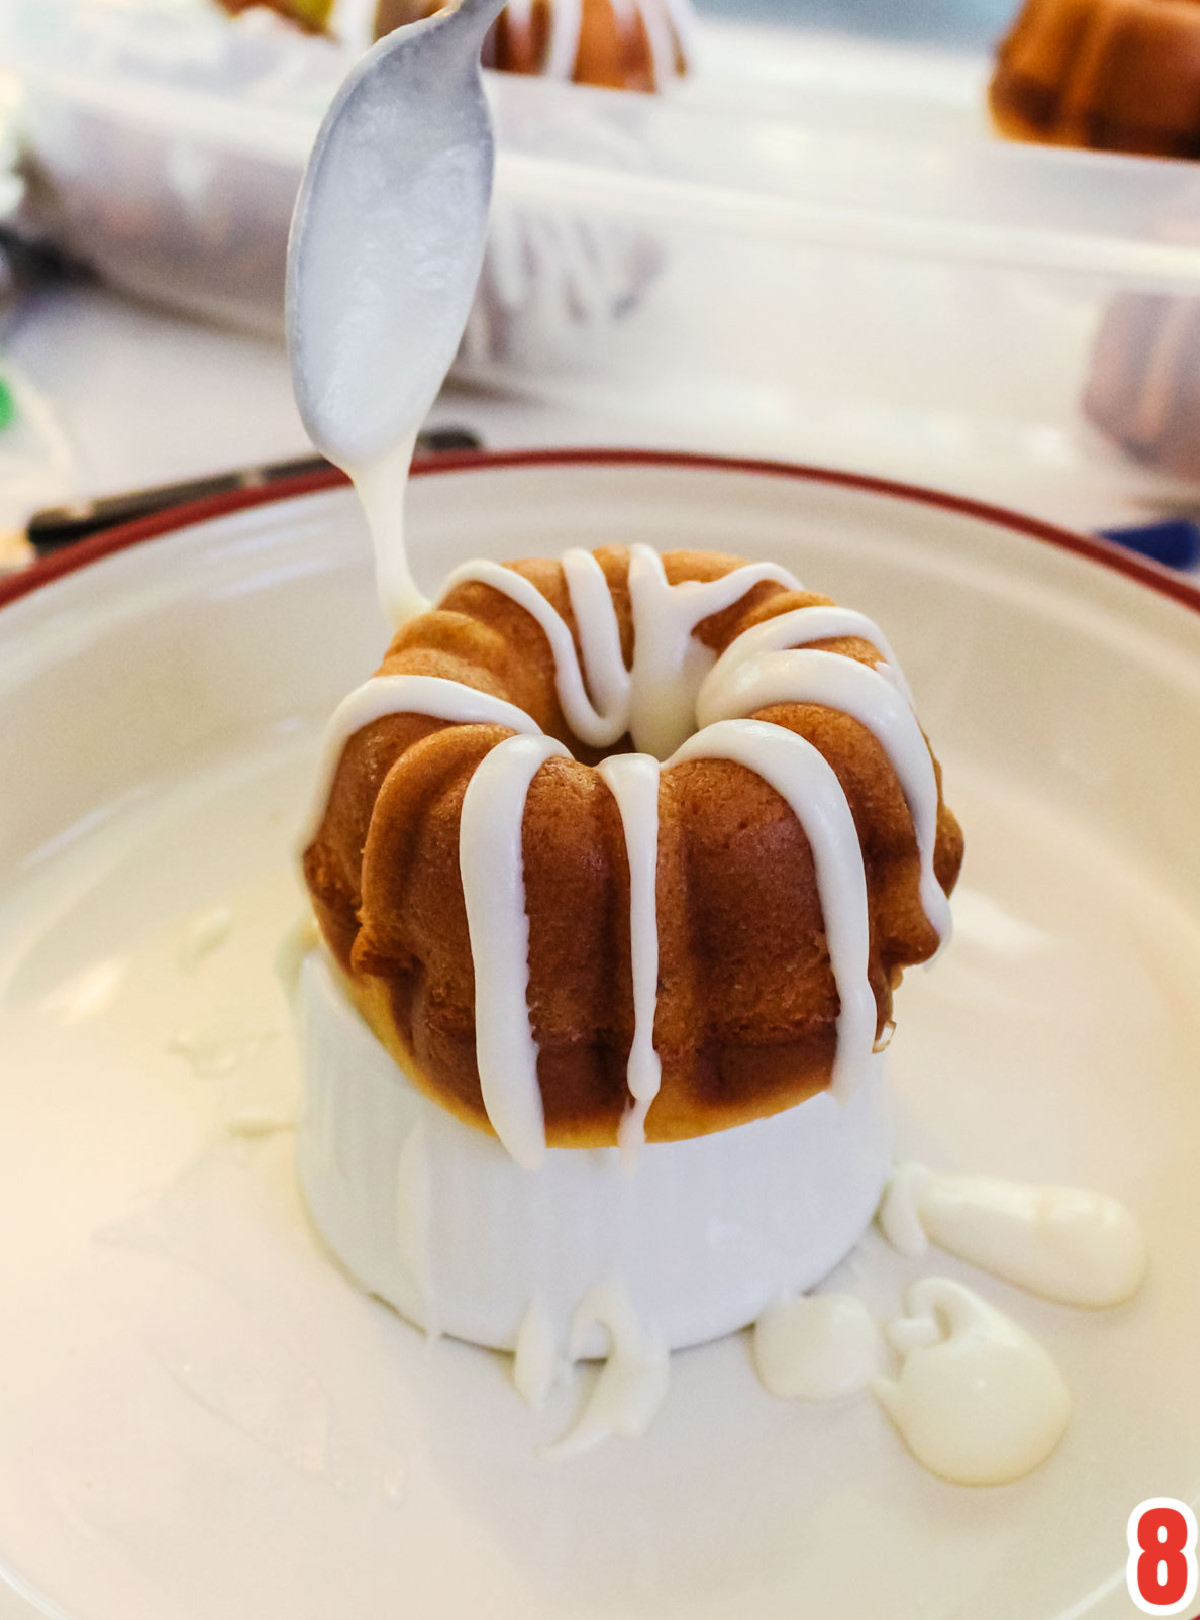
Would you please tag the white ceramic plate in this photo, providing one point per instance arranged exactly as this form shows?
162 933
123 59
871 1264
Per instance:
201 1417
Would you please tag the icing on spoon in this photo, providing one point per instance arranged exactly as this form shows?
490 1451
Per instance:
387 246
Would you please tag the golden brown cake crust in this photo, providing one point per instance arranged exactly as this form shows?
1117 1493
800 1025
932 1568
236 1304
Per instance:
747 1004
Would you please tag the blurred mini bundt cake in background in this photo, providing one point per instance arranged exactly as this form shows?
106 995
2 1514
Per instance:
1113 75
617 44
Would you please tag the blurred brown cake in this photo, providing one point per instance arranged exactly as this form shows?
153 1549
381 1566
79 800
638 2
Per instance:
1114 75
312 15
635 45
616 44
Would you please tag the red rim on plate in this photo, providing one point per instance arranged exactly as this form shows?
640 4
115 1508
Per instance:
85 552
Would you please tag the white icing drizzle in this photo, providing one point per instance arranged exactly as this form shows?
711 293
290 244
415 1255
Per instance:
820 1347
596 728
977 1401
537 1362
656 701
633 1382
801 775
599 633
562 48
800 628
381 483
669 664
404 694
493 879
807 675
1066 1244
633 780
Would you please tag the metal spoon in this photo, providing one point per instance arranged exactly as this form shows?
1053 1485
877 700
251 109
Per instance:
388 236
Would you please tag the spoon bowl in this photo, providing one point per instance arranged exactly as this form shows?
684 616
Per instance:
388 236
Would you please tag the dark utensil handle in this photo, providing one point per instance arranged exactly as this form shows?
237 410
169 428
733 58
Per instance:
59 526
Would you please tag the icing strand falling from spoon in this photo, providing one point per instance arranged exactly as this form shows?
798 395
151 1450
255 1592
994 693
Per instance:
386 249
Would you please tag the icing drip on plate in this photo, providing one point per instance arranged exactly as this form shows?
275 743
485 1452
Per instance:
1075 1247
977 1401
821 1347
633 1381
536 1360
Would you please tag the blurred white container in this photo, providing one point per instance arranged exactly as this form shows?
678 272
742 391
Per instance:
814 248
166 143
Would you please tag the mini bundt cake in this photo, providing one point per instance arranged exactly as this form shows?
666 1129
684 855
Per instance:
617 44
560 940
1116 75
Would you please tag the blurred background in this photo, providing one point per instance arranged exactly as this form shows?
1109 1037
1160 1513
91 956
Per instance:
960 24
783 228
